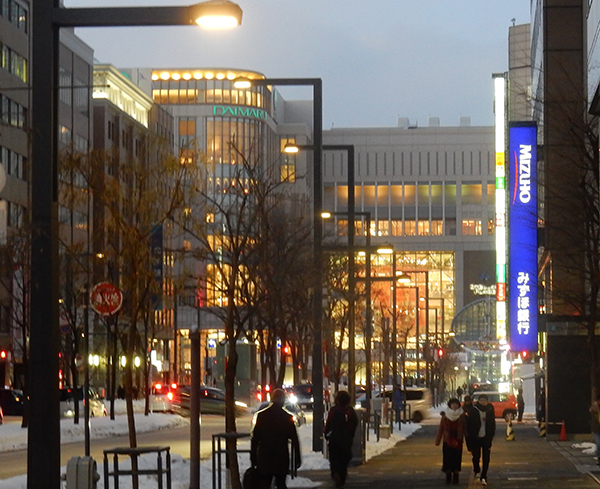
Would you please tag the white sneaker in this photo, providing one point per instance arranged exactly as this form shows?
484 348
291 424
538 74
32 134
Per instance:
483 481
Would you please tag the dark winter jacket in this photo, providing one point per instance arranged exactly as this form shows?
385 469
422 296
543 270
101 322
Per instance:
269 447
341 425
474 421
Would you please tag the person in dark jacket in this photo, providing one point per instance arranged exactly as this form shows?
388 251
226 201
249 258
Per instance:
451 430
269 446
339 431
481 428
520 405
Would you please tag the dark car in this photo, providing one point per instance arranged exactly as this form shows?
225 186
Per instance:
302 394
212 401
291 407
11 402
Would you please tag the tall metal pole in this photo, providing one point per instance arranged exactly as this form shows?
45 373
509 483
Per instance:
394 325
86 370
195 409
350 152
417 336
368 330
43 437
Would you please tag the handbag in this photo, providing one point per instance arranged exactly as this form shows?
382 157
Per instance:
250 480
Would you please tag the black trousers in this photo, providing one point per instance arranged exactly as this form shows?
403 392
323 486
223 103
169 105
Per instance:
339 458
481 448
264 481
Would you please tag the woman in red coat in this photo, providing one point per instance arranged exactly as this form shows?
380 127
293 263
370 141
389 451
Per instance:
452 430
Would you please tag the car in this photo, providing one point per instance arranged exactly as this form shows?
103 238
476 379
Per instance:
212 401
505 404
302 394
289 406
161 397
418 401
11 402
67 403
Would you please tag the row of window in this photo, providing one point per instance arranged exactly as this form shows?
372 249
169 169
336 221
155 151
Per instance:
14 163
13 113
410 194
79 219
187 96
410 227
15 13
13 62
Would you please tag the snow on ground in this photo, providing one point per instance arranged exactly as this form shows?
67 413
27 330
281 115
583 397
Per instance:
14 437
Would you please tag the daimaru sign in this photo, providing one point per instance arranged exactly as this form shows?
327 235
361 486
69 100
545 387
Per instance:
522 207
239 111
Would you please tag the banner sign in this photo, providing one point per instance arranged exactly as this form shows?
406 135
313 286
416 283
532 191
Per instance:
523 236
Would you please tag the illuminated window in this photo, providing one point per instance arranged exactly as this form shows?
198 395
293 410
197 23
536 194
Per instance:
450 194
187 245
471 194
491 227
491 194
409 195
369 195
287 170
210 217
437 227
396 227
187 126
383 228
423 228
410 228
471 227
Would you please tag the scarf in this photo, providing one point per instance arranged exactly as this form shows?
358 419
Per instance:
454 414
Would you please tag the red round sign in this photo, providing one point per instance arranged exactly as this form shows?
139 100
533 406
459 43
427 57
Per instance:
106 299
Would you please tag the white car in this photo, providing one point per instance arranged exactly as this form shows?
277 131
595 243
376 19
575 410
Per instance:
161 397
67 403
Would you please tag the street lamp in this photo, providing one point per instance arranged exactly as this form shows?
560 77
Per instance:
317 296
43 454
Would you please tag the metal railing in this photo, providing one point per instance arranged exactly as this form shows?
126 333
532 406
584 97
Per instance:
160 471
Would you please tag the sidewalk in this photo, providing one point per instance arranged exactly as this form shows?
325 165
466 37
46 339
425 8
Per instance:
528 462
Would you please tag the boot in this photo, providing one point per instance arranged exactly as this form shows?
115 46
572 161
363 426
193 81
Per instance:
455 478
448 477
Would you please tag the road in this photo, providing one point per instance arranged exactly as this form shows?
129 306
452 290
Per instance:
15 462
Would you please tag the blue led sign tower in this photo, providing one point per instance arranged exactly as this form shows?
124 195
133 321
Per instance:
522 205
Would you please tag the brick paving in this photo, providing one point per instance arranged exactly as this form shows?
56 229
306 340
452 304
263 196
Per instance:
527 462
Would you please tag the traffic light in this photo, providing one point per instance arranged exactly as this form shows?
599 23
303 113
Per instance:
440 353
287 350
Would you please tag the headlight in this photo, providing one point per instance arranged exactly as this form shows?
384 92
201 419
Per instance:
358 406
293 398
241 404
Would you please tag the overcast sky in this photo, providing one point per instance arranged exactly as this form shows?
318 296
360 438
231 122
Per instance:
379 59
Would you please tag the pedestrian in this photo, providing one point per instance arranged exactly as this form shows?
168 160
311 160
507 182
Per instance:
467 408
541 406
339 431
481 428
595 425
520 405
452 430
269 452
459 392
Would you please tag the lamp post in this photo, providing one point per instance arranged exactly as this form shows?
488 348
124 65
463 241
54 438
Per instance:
317 295
43 454
349 149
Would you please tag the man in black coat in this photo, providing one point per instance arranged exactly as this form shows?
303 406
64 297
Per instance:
481 428
269 447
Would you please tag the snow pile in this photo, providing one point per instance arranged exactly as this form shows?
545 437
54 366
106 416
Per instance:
586 447
15 437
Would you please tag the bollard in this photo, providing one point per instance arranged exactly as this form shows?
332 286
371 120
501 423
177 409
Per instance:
542 428
510 432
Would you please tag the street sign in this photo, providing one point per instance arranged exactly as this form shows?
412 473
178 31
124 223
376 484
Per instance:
106 299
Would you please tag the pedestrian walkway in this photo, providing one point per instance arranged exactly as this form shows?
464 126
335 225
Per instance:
527 462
